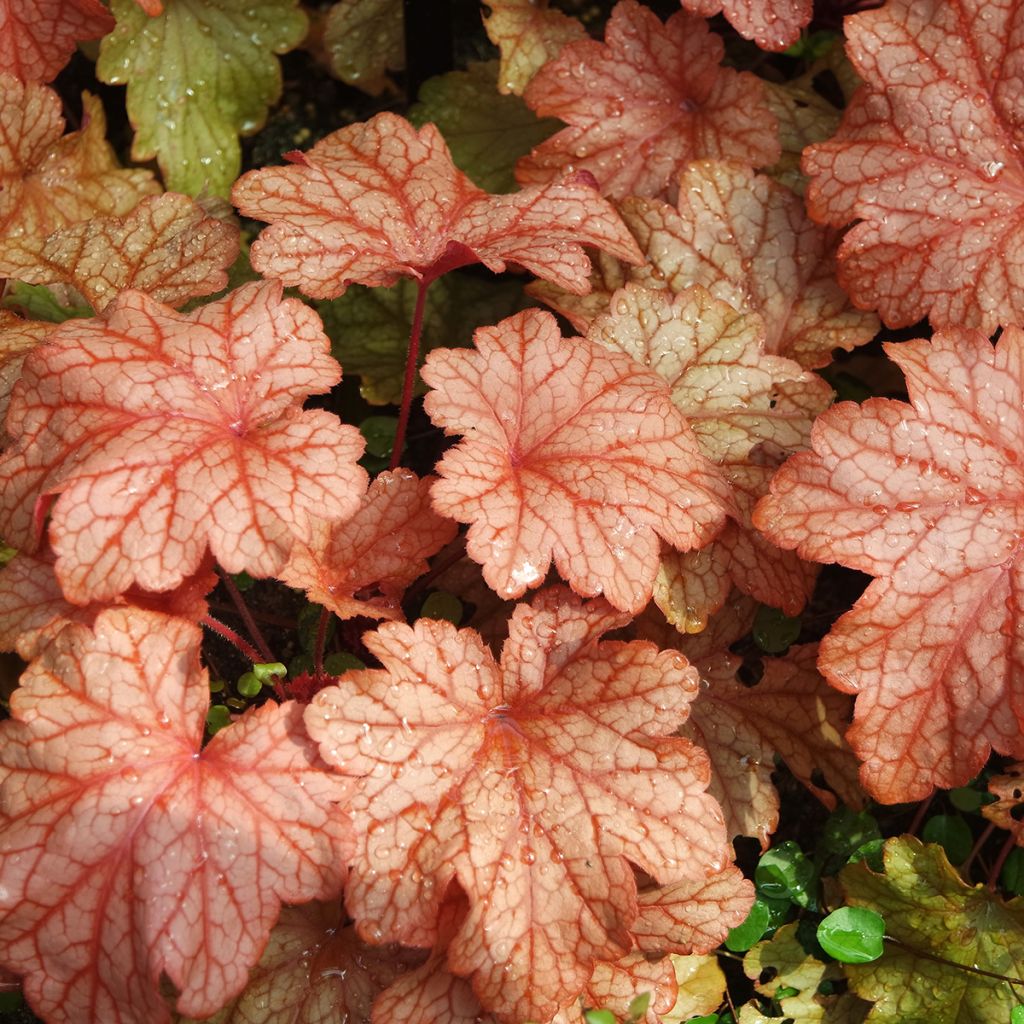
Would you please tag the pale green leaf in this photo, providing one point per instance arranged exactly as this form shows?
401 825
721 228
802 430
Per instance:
364 39
199 74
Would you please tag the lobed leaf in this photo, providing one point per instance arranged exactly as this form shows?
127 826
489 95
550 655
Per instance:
382 548
377 201
37 37
927 162
926 497
528 783
17 338
772 24
131 852
199 72
164 433
364 39
645 102
571 453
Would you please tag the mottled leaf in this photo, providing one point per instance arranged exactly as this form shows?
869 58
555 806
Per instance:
528 33
1008 789
198 74
129 851
17 338
928 162
365 39
485 131
702 988
938 926
363 565
528 783
37 37
334 222
772 24
645 102
168 247
49 181
369 327
165 433
571 453
925 497
748 241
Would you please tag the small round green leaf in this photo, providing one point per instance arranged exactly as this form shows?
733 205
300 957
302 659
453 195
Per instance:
773 631
599 1017
952 833
216 718
1011 878
785 873
249 684
743 936
379 432
852 935
442 605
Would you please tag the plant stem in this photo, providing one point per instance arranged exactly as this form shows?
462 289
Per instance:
321 643
993 877
922 810
265 654
976 848
412 360
222 630
935 958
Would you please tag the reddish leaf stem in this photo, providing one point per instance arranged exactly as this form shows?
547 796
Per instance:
976 848
922 810
412 361
232 637
265 654
321 643
997 867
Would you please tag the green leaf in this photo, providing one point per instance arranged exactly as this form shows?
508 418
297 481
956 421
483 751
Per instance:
37 302
952 833
369 327
969 799
485 131
217 718
743 936
941 928
341 661
1017 1015
785 873
599 1017
773 631
198 75
379 432
442 605
638 1006
266 671
364 39
248 684
852 935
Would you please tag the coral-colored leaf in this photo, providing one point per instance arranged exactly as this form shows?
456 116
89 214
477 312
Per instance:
530 784
1008 789
380 200
37 37
572 453
198 74
749 242
928 161
168 247
314 971
51 181
645 102
772 24
529 34
129 851
166 432
363 565
741 404
33 608
17 338
365 39
926 497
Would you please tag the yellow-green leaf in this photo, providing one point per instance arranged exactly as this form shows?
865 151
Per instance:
199 74
364 39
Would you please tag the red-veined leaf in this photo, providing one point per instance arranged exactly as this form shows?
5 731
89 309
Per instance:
772 24
169 246
528 33
530 784
51 181
383 547
131 852
334 221
926 497
37 37
645 102
164 433
571 453
17 338
928 162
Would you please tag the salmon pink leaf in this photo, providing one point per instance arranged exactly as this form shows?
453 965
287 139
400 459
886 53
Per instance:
926 497
49 181
382 548
748 241
532 784
17 338
772 24
37 37
168 247
928 162
314 971
528 33
165 433
572 453
380 200
645 102
131 852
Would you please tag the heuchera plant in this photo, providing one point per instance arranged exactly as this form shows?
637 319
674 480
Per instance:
540 627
